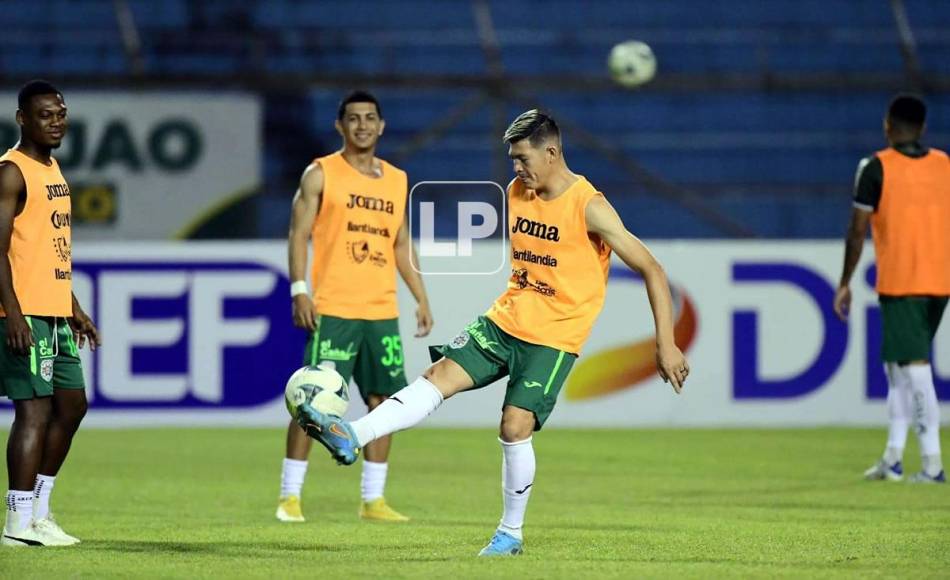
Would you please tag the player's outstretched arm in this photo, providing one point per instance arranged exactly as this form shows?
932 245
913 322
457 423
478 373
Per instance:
303 212
406 256
603 220
12 186
853 244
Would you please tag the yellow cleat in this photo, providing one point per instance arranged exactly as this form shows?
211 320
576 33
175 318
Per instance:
380 511
288 509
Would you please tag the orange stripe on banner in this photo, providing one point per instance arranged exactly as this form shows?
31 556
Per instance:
614 369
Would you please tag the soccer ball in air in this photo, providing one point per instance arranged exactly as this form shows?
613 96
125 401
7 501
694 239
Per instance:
323 388
632 63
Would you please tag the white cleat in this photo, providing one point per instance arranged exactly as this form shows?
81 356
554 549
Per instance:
881 471
924 477
34 535
51 530
18 532
24 537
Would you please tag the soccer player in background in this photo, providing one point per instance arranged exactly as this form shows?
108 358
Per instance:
41 323
562 233
903 192
352 204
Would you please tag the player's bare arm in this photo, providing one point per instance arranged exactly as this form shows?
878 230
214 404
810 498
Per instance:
306 204
406 256
603 220
854 243
12 193
83 327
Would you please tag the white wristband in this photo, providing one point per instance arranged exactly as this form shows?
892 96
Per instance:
299 287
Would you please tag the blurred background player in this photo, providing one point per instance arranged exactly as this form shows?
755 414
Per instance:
534 331
353 206
904 193
41 321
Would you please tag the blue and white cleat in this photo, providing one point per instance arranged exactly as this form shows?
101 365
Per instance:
332 432
923 477
502 544
881 471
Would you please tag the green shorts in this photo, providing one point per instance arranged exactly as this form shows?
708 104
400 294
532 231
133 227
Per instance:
53 361
910 324
535 372
369 351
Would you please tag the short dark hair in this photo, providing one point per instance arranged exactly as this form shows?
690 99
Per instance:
533 125
358 97
32 89
907 110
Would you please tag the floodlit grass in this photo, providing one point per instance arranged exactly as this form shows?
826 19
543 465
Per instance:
199 503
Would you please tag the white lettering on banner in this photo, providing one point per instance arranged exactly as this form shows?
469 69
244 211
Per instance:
779 308
210 332
122 333
761 310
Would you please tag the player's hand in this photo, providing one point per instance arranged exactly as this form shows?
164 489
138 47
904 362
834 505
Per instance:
424 320
843 302
84 329
19 335
672 366
304 315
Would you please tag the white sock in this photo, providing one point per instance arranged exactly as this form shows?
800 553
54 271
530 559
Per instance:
899 411
517 478
926 413
406 408
19 510
932 465
41 492
291 477
374 480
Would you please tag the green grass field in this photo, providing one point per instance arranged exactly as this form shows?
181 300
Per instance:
667 503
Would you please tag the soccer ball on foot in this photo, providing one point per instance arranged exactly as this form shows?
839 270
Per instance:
321 387
632 63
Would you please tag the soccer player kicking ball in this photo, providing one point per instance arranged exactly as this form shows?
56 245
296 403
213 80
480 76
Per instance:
904 193
353 205
41 324
533 332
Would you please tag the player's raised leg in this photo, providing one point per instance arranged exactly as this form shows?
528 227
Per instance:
401 411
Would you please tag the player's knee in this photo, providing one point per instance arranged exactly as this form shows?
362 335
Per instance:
78 411
70 409
34 414
374 401
516 425
448 377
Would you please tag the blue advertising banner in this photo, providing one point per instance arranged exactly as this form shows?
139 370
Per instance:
200 333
